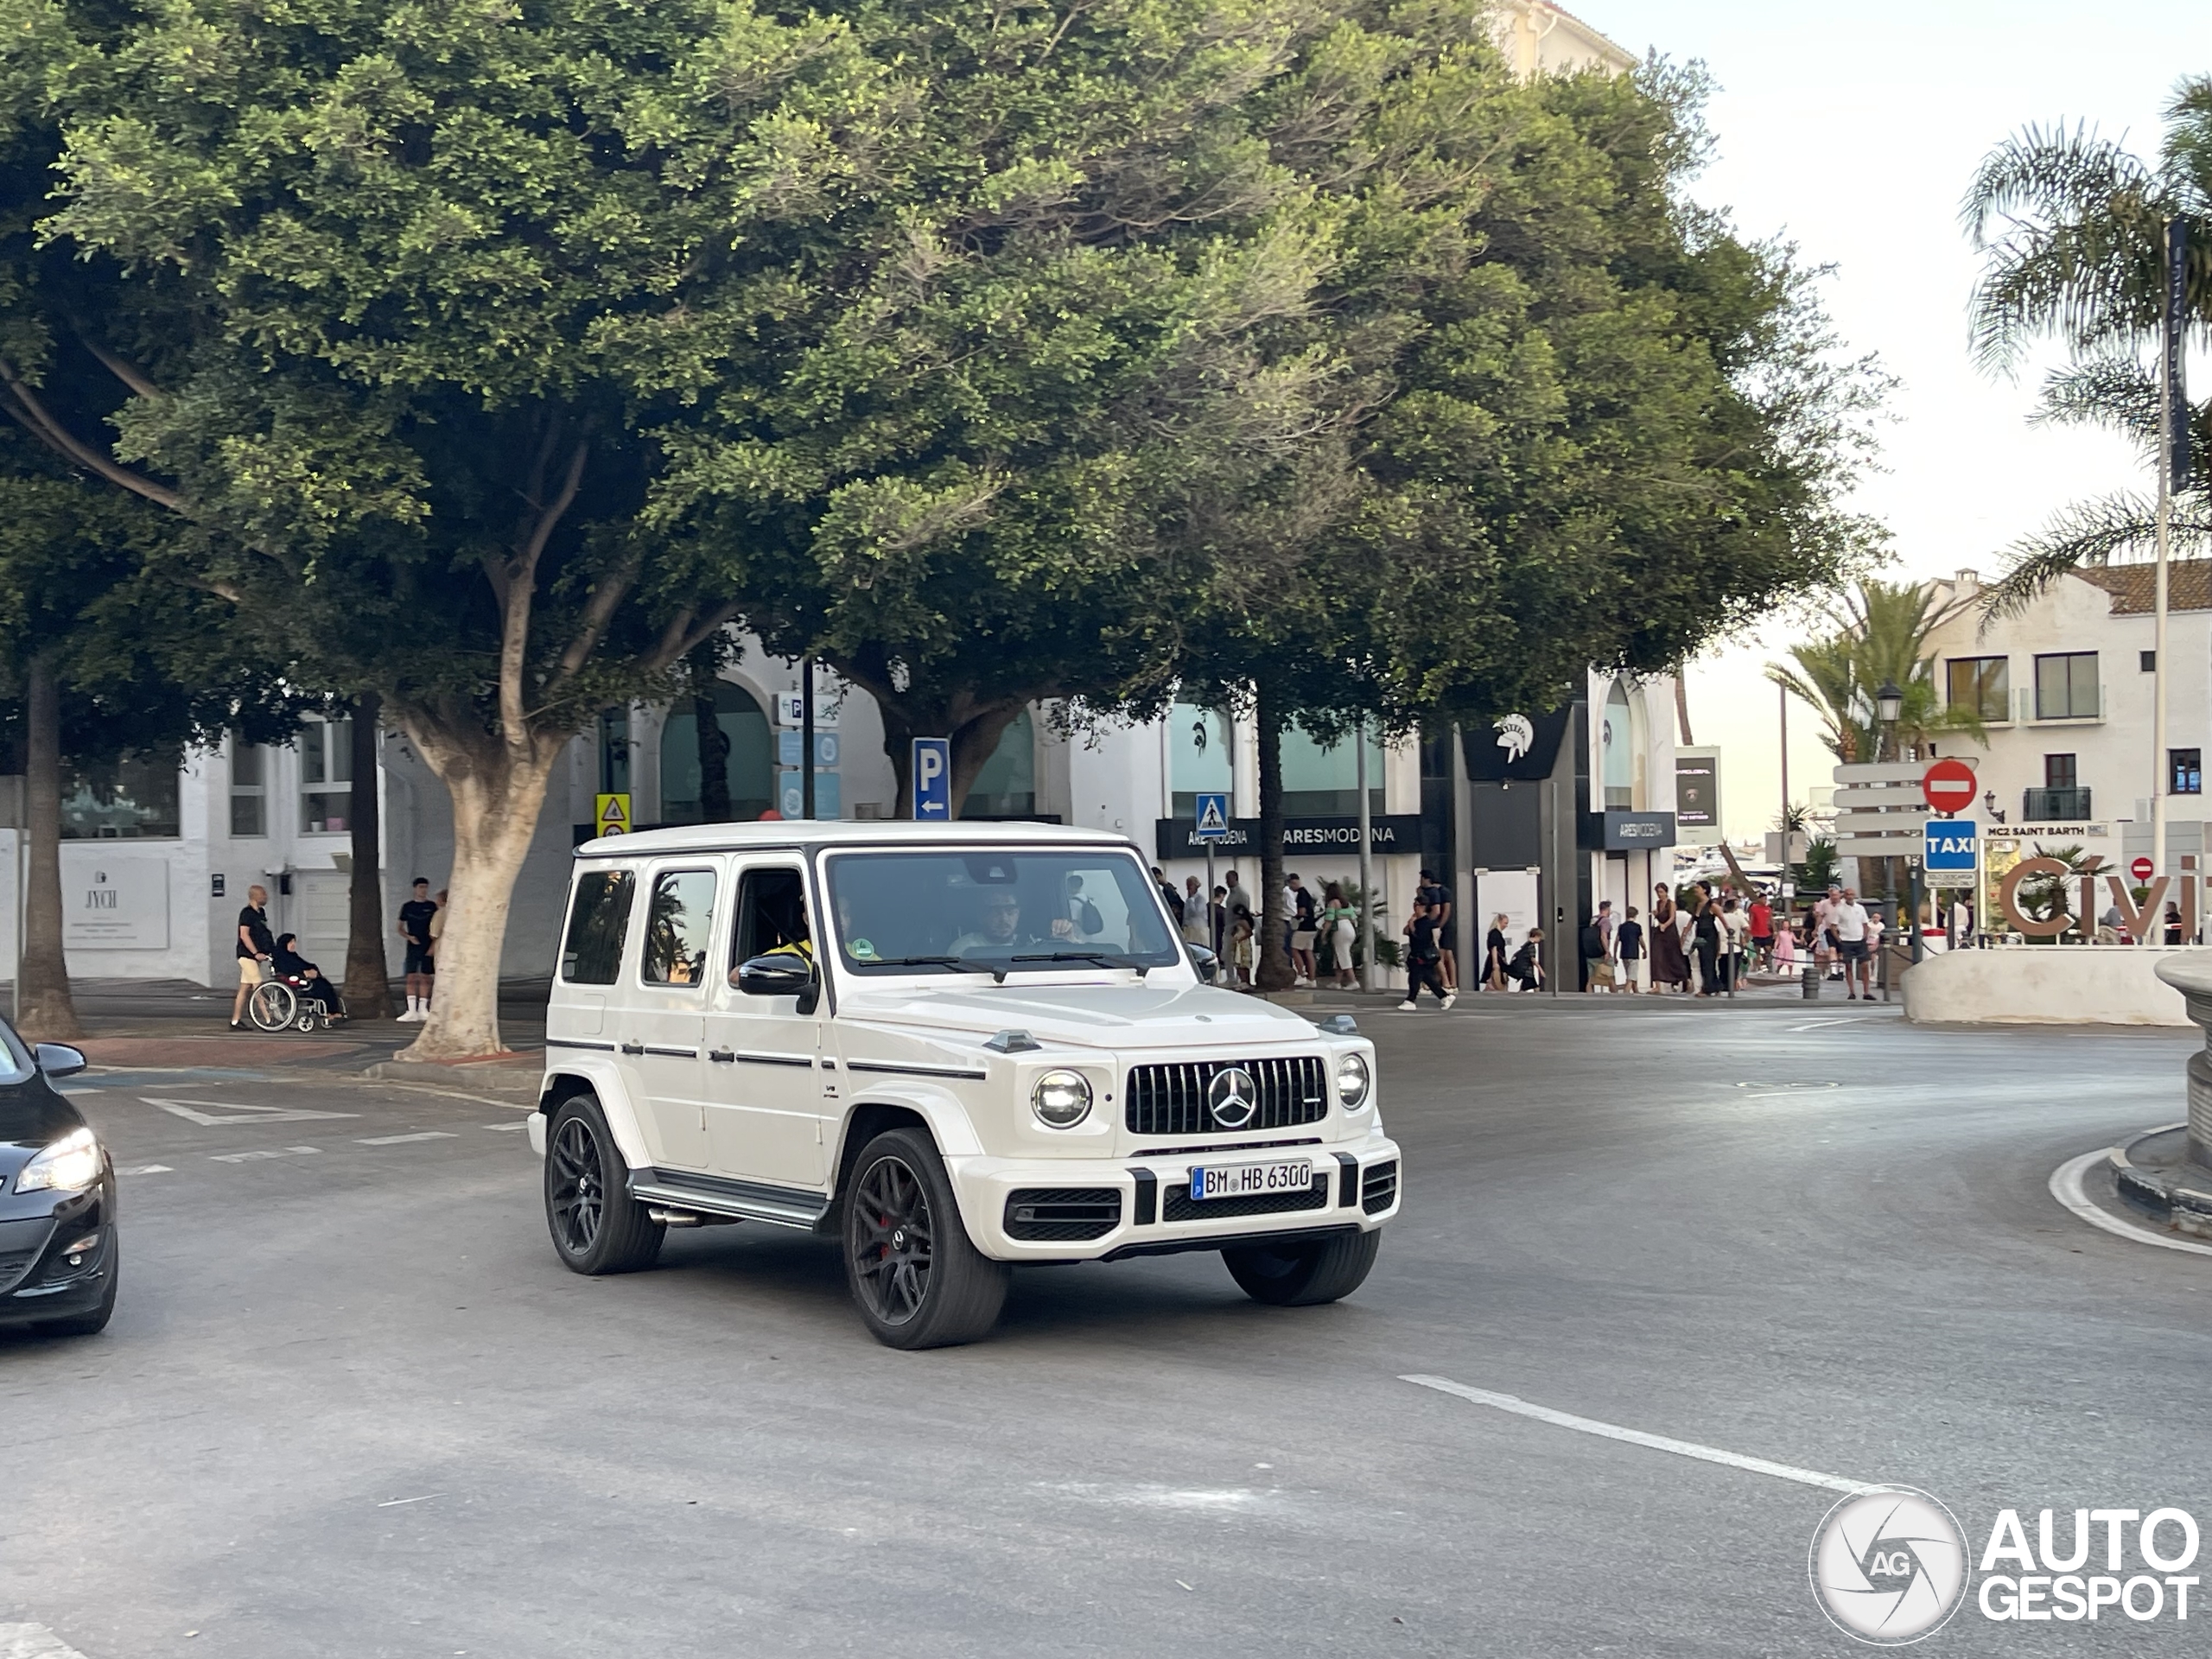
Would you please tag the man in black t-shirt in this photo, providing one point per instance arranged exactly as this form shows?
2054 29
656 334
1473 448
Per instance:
414 932
1438 898
255 945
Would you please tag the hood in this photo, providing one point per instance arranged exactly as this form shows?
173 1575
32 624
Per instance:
32 1115
1090 1016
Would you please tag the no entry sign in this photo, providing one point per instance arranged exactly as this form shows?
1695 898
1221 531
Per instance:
1948 785
2141 869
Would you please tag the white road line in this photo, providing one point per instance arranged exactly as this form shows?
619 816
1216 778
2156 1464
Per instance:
503 1128
2067 1186
1841 1020
152 1169
33 1642
394 1503
1522 1408
401 1139
448 1094
236 1112
264 1152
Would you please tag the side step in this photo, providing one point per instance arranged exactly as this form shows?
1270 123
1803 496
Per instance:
679 1190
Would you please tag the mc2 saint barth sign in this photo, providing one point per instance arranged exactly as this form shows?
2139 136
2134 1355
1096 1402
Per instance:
1397 832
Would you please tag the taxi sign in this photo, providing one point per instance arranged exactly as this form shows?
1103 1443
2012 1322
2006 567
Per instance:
1949 845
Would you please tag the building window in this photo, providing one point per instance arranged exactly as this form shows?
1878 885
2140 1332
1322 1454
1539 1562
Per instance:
248 789
133 799
1980 684
733 780
1617 751
2184 772
2059 772
326 776
1323 782
2150 662
1005 785
614 751
2066 686
1198 757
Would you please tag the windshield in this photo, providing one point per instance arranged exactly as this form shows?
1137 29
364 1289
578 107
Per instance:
16 1062
952 913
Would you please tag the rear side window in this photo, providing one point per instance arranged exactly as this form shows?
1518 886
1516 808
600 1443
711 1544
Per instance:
598 916
676 929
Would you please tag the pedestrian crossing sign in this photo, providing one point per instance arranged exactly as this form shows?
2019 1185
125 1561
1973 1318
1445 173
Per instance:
611 815
1213 816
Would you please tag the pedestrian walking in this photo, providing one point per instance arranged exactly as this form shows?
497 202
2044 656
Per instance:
1628 948
1494 952
256 946
1827 952
1168 896
1785 948
1597 957
1197 923
1708 934
1438 898
1423 960
1240 943
1339 925
1669 967
1238 899
1305 925
1848 921
1761 916
1735 929
415 919
1526 970
1217 919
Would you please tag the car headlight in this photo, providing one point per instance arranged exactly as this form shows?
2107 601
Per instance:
1061 1099
1353 1081
70 1165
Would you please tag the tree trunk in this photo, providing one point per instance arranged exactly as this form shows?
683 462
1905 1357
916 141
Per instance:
714 760
975 730
1682 705
368 978
48 1015
1274 971
496 797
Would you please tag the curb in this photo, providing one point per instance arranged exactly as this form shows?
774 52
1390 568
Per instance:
2144 1169
494 1078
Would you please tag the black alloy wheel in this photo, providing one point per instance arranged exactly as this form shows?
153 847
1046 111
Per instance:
915 1276
1302 1273
597 1226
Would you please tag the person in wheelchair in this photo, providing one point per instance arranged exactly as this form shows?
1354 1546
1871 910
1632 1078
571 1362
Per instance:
306 978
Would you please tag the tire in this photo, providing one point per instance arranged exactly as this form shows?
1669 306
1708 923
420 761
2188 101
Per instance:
596 1226
914 1276
272 1007
91 1324
1304 1274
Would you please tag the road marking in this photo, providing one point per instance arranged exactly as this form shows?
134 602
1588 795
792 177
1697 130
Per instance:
152 1169
33 1642
2067 1186
1841 1020
1636 1437
394 1503
236 1112
265 1152
448 1094
401 1139
505 1128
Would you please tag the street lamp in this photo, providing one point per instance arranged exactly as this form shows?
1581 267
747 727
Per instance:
1889 703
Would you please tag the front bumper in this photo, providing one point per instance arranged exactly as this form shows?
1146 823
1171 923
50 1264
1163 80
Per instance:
1085 1209
39 1278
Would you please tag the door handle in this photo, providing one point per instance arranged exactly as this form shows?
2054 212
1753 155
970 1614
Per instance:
721 1054
633 1048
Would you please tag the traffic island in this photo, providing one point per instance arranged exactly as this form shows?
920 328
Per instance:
2051 985
2156 1173
2189 972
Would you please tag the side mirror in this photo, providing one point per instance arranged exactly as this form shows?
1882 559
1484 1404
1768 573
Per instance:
60 1060
1208 962
777 974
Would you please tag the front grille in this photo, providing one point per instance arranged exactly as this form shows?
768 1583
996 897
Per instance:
1049 1213
1171 1099
14 1264
1177 1203
1379 1188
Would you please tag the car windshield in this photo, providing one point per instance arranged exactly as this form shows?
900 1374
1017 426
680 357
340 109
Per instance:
16 1062
951 912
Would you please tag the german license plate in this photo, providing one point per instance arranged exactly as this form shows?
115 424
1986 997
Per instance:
1250 1180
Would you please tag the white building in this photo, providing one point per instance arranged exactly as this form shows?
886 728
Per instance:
2065 693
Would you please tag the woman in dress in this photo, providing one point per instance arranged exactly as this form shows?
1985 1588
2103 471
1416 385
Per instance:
1668 966
1337 927
1494 952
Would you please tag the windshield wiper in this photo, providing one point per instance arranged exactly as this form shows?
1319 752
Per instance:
1103 958
964 963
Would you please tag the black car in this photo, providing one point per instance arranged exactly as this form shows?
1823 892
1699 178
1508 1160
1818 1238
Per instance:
58 1252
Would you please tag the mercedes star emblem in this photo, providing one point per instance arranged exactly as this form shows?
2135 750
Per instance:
1234 1096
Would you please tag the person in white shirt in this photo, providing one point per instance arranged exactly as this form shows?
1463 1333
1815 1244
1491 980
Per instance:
1197 922
1850 921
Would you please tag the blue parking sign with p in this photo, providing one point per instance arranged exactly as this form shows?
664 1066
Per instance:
931 772
1950 846
1212 815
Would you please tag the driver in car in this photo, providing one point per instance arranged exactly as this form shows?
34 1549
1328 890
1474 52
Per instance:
1002 931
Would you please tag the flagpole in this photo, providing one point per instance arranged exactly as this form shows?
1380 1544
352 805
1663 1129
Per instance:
2171 455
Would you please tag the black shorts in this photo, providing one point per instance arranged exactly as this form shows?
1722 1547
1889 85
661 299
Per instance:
420 961
1854 949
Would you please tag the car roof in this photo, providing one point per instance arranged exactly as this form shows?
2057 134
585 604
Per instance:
800 833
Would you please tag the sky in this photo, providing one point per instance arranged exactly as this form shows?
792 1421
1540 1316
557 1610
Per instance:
1852 132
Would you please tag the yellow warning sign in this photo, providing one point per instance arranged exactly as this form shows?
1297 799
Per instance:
612 814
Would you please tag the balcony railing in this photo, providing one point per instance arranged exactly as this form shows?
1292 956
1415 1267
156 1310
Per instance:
2054 805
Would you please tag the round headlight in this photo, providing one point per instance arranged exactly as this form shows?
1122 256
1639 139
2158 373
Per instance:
1061 1099
1352 1082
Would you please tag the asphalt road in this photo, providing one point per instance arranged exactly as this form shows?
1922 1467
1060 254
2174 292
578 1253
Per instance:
351 1405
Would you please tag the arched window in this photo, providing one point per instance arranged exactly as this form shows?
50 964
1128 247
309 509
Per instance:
1007 786
738 779
1617 751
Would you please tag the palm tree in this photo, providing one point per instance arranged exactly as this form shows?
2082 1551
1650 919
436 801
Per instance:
2071 227
1880 636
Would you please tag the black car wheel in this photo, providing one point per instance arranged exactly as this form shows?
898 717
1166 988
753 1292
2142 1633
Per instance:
1302 1274
916 1278
92 1322
597 1226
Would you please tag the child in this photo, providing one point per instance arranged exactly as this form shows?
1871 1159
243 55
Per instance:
1785 947
1239 945
1525 970
1628 941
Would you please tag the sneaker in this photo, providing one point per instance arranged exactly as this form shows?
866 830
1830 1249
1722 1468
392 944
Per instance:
1449 997
1406 1006
411 1017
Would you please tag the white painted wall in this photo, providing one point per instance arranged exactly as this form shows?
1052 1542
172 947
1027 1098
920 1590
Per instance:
2075 985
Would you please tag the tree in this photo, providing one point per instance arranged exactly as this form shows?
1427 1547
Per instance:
1879 636
2070 227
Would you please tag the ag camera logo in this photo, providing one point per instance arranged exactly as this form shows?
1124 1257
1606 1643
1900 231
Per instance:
1889 1565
